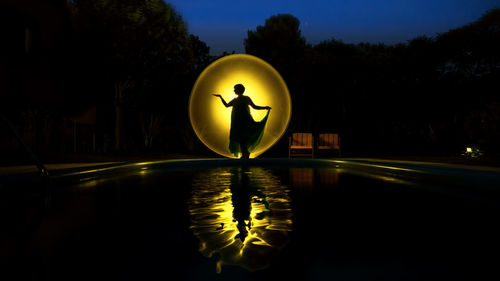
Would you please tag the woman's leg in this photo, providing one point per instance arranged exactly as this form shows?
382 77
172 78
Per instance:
244 151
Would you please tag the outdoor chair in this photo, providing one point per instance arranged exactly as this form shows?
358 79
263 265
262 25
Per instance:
327 144
301 145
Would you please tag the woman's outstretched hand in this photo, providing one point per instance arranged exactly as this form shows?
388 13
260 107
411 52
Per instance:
268 107
216 95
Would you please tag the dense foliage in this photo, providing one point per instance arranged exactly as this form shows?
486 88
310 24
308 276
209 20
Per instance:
115 75
430 96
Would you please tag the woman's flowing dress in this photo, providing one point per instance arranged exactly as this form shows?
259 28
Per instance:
244 130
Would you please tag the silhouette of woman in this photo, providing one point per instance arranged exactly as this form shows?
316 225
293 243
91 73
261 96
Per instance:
245 133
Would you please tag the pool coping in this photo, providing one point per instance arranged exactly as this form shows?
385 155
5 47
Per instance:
388 168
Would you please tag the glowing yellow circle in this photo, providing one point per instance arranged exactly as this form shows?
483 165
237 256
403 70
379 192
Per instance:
211 120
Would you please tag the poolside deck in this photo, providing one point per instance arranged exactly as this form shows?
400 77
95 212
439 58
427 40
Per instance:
458 163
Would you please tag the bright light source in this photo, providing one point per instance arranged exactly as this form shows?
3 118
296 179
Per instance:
468 149
211 120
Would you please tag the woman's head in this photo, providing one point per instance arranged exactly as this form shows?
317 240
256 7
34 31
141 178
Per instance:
239 89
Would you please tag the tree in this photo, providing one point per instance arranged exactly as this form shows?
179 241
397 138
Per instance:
139 44
470 71
471 51
278 42
200 52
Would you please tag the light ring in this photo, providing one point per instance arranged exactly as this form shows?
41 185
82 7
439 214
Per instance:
211 120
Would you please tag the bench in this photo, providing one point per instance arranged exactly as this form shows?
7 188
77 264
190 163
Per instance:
301 144
328 143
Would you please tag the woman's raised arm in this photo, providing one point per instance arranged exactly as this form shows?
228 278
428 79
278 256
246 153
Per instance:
223 101
256 106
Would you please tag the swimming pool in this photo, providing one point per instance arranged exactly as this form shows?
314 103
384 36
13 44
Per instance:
255 219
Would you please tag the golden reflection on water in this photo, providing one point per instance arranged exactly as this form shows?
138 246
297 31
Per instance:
242 214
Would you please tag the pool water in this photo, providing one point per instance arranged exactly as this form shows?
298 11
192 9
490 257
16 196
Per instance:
252 221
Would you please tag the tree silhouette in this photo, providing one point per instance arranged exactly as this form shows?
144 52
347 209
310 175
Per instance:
278 41
147 50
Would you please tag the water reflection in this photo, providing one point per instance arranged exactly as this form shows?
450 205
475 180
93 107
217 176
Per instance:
308 178
241 214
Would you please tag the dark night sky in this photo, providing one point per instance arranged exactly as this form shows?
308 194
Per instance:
223 24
